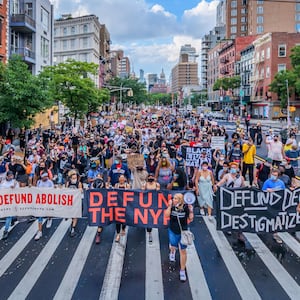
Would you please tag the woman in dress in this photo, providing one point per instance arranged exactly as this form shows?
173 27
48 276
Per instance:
164 172
204 182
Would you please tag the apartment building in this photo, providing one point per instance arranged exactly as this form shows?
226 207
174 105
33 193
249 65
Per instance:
77 38
31 32
271 54
3 30
105 62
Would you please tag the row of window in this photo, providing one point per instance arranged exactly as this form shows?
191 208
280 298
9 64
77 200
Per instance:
233 21
71 30
73 43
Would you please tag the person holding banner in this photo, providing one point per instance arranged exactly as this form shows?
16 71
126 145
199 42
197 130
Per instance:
204 182
178 211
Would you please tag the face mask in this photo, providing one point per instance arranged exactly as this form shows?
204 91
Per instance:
273 177
117 162
145 156
176 176
221 157
225 168
233 171
151 156
204 168
73 181
150 179
164 164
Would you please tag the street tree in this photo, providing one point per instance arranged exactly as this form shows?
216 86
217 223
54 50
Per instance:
159 98
73 83
22 95
122 85
227 83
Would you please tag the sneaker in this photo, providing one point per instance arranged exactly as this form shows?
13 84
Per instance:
97 239
277 238
150 237
38 235
49 223
210 218
5 235
72 232
182 275
172 256
202 212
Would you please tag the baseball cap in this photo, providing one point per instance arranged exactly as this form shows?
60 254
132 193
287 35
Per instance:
269 160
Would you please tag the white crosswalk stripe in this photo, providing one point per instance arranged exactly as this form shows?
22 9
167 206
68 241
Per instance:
198 283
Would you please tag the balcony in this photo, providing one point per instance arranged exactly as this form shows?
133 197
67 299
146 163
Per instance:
22 23
27 55
224 60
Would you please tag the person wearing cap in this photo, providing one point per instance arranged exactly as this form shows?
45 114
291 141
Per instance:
117 169
44 182
8 182
293 156
262 172
275 150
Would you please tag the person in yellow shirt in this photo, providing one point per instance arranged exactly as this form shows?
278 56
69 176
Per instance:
249 152
288 145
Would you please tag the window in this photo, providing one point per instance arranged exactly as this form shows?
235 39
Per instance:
243 28
297 27
233 3
243 19
233 21
1 2
65 31
243 10
84 57
297 6
260 2
65 44
282 50
233 29
44 48
268 53
29 9
262 55
281 67
73 30
72 43
15 7
260 20
260 10
14 41
297 17
85 28
84 42
55 45
45 19
233 12
268 72
55 31
260 29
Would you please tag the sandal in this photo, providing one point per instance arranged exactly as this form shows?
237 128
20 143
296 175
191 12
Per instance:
117 240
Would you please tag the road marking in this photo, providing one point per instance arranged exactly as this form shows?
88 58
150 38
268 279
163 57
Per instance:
28 281
18 247
282 276
9 229
197 281
154 280
292 243
72 275
236 270
113 274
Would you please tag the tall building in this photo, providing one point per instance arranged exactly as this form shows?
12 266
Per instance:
142 77
3 30
209 41
77 38
188 51
31 31
115 58
105 66
124 67
185 73
152 80
273 16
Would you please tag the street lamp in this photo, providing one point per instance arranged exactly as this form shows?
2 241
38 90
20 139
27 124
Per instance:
120 89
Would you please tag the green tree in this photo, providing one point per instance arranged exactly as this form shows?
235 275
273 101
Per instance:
73 83
139 92
281 81
227 83
22 95
162 99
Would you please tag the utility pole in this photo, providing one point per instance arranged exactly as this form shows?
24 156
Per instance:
288 103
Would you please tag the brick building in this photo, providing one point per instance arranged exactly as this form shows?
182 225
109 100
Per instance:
3 30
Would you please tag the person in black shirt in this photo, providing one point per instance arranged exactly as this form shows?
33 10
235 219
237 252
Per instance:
178 211
262 172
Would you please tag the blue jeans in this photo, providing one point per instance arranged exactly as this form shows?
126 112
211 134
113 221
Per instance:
174 240
7 223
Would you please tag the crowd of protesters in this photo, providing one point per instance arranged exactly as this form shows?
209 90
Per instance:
96 157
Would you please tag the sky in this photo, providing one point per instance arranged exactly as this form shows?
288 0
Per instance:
150 32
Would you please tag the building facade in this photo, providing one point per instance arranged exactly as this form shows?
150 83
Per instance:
271 55
31 32
3 30
124 67
77 38
104 60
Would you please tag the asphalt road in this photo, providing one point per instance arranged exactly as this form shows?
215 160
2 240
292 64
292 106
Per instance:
219 267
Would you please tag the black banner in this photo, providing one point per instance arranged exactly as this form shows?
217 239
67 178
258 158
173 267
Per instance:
132 207
251 210
194 155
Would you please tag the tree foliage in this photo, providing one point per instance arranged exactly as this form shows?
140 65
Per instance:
139 92
162 99
73 83
22 95
227 83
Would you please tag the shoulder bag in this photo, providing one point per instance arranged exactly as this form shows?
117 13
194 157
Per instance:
187 237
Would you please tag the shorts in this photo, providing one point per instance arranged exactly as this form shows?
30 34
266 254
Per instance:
174 240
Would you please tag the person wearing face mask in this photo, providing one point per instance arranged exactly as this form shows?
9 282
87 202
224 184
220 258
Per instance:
151 163
179 180
140 176
233 179
219 159
164 172
223 171
9 182
276 151
204 182
73 182
249 152
271 185
117 169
